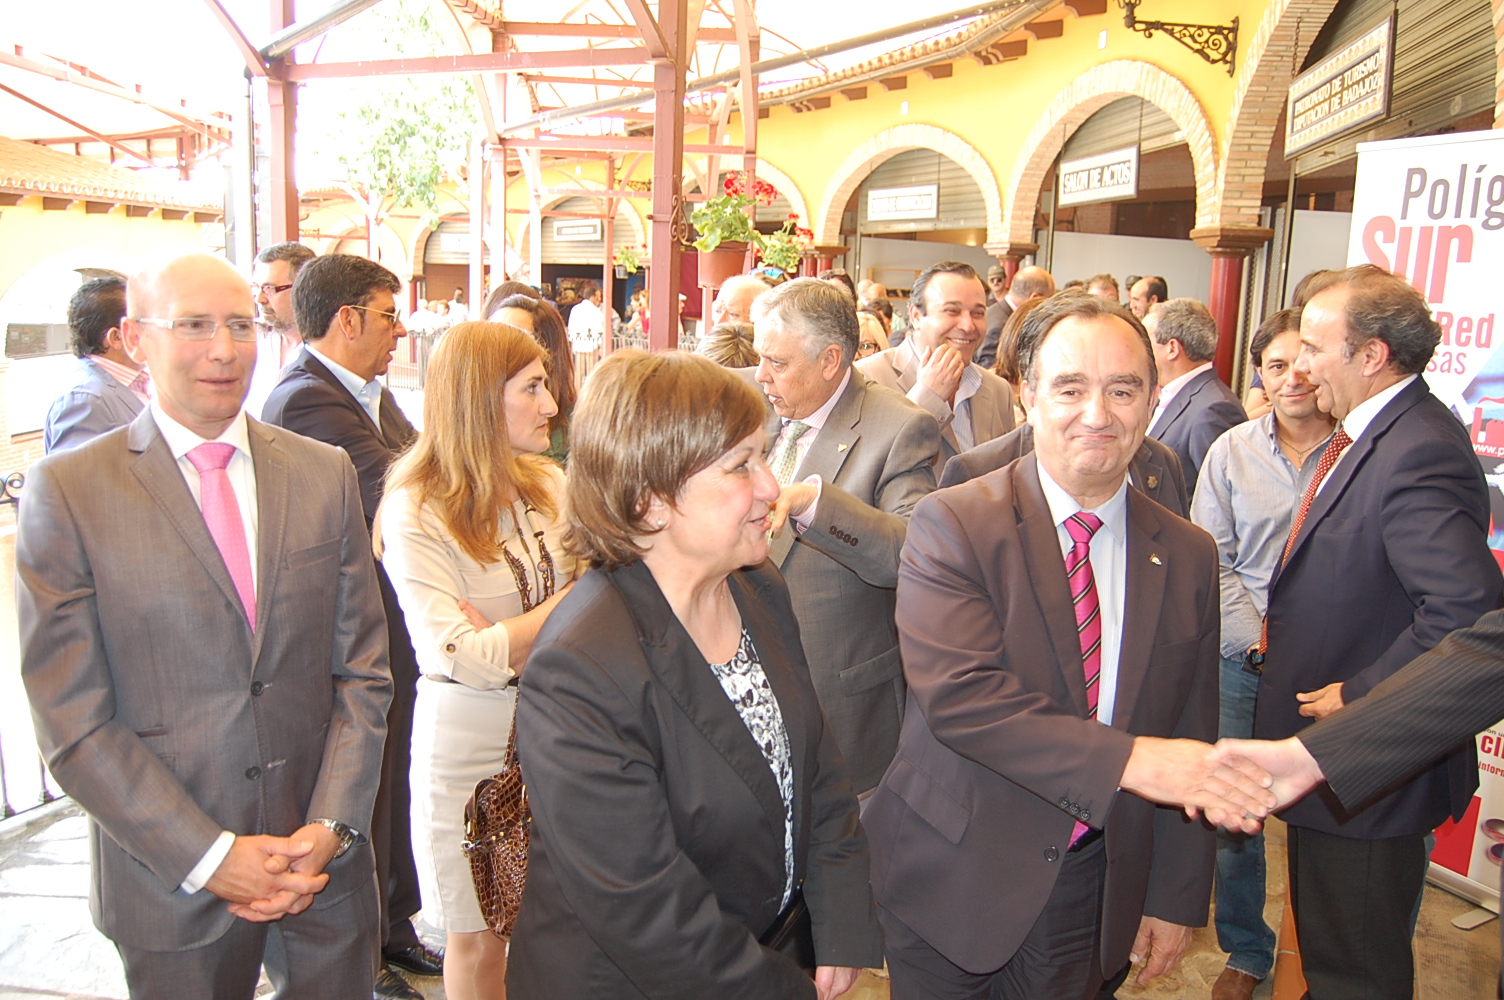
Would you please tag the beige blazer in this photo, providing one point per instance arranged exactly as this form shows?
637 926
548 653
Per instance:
992 413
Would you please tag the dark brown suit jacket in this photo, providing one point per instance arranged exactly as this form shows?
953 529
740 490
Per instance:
657 853
997 760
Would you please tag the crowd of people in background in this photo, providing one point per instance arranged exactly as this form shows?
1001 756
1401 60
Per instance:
863 636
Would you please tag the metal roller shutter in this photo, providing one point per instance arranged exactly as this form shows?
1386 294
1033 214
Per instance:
624 234
960 203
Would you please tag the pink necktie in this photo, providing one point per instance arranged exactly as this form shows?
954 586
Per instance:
1081 526
141 386
222 515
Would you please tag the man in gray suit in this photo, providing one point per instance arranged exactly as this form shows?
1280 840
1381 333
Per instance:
933 366
853 459
211 684
108 388
1195 407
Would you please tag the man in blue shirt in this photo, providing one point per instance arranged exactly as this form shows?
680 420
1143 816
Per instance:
1251 483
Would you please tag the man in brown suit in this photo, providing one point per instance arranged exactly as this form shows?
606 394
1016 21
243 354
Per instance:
1057 684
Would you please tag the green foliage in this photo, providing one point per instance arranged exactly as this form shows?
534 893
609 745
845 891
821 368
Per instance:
403 136
723 219
785 248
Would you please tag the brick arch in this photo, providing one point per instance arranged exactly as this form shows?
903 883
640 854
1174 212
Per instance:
889 143
1259 98
638 229
790 190
1085 96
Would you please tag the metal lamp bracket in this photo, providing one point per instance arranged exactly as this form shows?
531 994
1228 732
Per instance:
1216 43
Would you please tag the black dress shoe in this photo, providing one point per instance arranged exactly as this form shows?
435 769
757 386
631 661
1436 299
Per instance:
390 986
419 959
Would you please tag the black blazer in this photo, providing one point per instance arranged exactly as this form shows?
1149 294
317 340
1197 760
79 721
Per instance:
1199 414
311 401
1155 469
1392 556
657 852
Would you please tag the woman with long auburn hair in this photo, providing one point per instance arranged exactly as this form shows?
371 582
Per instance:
469 531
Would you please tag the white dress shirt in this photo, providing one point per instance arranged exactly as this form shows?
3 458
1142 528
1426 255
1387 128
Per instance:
367 394
815 421
1356 422
242 472
1109 569
1172 388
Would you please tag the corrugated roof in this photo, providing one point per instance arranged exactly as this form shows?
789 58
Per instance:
27 168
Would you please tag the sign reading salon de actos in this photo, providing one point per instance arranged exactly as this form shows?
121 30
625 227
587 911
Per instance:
1106 176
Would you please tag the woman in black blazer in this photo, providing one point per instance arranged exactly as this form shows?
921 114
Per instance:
687 797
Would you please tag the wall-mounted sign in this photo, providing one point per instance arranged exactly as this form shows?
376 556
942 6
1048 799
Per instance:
1109 176
919 201
1347 88
577 230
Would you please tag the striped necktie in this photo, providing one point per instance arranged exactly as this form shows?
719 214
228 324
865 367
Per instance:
1081 526
788 459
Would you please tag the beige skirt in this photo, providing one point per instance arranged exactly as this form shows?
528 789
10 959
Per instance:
459 738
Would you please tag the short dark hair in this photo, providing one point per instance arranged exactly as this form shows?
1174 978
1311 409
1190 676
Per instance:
1155 286
1308 287
588 289
1047 316
1073 285
1103 281
97 306
921 283
1383 307
1274 324
820 311
1191 323
295 254
327 284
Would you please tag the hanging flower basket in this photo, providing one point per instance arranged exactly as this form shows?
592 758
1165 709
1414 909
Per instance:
717 266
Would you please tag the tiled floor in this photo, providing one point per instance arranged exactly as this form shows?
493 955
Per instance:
49 948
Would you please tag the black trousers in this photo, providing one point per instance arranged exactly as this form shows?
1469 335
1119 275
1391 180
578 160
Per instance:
1058 959
391 826
1353 902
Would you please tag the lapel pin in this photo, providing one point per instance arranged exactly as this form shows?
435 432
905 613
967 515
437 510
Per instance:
1154 558
1152 482
840 447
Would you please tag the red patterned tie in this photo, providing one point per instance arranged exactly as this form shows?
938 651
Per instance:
1081 526
222 515
1334 450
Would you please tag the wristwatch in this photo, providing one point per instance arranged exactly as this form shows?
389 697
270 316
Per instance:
347 837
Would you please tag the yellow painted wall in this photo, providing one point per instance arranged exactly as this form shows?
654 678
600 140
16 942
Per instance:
30 236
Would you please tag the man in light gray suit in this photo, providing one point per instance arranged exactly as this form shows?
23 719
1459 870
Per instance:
853 459
933 366
211 684
108 387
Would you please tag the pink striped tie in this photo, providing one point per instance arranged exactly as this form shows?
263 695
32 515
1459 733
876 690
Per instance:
1081 526
222 515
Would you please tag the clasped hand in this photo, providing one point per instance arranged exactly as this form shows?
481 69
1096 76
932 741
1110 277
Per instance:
267 878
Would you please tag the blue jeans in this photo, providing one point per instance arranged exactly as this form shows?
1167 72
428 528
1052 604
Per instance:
1241 931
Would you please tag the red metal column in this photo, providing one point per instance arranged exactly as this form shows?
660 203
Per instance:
668 176
1229 247
282 96
1225 299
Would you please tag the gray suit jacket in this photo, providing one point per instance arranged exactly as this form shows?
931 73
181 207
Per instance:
96 402
991 407
1199 414
156 705
875 456
1155 469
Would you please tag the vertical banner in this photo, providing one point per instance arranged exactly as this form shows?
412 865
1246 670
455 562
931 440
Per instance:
1431 210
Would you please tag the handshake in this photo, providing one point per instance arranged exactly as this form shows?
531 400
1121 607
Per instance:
1234 784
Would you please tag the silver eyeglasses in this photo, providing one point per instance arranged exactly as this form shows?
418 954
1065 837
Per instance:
389 315
203 328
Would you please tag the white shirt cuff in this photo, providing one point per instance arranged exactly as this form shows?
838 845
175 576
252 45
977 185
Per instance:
804 520
209 863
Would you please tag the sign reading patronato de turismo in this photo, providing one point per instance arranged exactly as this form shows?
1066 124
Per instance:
1109 176
1348 88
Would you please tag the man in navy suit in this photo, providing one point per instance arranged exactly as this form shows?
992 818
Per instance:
1194 406
109 387
1390 555
345 308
